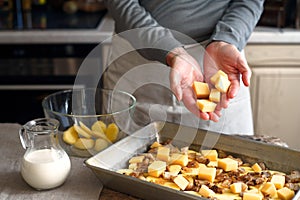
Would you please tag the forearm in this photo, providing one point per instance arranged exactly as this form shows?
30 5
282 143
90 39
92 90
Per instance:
238 22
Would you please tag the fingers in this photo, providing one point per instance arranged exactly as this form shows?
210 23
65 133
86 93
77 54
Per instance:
244 69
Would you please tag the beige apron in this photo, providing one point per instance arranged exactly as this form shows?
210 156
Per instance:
148 81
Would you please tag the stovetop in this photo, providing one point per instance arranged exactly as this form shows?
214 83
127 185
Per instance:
40 19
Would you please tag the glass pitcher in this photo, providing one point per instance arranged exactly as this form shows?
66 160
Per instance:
45 164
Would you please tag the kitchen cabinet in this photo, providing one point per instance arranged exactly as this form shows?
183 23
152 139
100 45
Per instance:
275 90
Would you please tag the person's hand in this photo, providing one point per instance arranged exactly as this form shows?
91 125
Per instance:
185 70
224 56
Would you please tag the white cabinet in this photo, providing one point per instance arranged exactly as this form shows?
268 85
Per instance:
275 91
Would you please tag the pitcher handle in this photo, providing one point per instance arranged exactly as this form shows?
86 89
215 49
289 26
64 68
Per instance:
23 137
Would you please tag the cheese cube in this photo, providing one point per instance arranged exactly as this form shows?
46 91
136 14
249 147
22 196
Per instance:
155 145
256 168
269 189
179 159
278 180
181 182
214 95
206 192
222 84
201 89
219 73
157 168
205 105
171 185
207 173
212 154
174 169
252 196
228 164
132 166
285 193
236 188
136 159
163 153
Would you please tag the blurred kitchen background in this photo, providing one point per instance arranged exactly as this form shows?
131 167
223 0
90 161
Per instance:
43 43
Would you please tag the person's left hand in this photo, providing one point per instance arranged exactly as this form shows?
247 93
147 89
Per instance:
226 57
184 71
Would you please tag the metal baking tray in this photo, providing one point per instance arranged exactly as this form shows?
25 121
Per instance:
105 163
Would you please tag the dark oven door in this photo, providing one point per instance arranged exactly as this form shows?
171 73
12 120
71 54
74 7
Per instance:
28 73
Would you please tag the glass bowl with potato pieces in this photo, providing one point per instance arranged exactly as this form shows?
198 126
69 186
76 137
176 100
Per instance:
91 119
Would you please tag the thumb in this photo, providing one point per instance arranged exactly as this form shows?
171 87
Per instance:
175 80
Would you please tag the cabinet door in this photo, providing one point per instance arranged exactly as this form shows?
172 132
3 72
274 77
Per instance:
275 93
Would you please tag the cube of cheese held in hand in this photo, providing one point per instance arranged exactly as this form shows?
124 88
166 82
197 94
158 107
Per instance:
206 106
157 168
222 84
201 89
215 77
228 164
285 193
215 95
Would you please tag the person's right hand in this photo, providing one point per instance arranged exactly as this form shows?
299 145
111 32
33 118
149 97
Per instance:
185 70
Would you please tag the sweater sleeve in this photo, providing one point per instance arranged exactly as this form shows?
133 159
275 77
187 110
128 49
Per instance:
238 22
154 41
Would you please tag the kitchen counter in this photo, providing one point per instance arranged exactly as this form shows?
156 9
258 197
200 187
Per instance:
57 36
261 35
81 183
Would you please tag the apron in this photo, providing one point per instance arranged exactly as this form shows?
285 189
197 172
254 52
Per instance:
148 81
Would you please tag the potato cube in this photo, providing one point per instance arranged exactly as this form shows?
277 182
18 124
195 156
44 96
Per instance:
157 168
181 182
252 196
236 188
84 143
206 192
201 89
222 84
256 167
155 145
136 159
269 189
278 180
112 132
219 73
99 126
205 105
227 164
285 193
174 169
70 136
207 173
101 144
163 153
211 154
215 95
81 131
179 159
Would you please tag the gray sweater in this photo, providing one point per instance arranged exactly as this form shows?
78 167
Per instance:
162 22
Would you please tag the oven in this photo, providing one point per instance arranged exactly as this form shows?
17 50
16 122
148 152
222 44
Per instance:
41 52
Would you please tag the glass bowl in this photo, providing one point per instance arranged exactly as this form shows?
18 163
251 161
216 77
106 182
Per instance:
90 119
